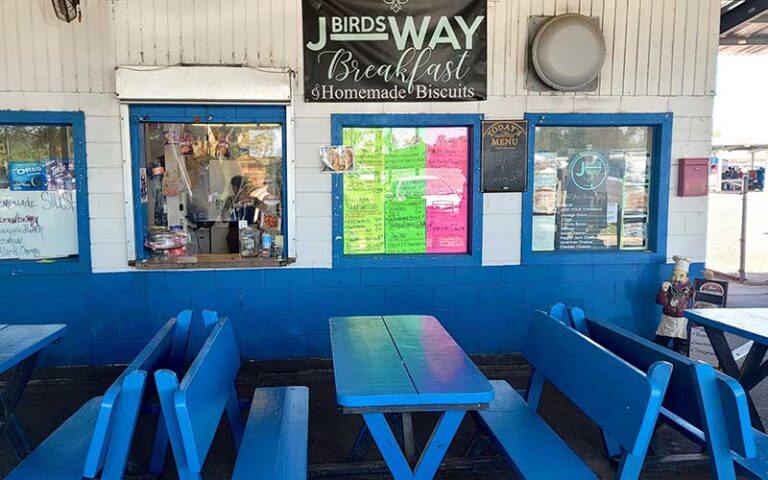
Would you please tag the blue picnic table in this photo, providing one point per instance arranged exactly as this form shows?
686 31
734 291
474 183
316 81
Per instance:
748 323
19 346
20 342
405 364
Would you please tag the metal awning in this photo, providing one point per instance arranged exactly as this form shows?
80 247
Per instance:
744 26
739 147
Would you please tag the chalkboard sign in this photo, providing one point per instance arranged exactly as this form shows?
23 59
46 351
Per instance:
707 294
505 156
710 293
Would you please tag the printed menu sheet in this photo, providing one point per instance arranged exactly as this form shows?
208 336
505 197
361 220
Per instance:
409 193
364 194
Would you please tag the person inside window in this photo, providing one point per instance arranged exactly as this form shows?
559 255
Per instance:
238 206
250 196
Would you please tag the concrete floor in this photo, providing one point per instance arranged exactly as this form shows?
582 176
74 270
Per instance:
56 393
754 294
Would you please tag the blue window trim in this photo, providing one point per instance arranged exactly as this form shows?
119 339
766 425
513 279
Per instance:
659 194
82 263
199 114
474 257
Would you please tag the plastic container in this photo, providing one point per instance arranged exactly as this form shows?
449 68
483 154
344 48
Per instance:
248 242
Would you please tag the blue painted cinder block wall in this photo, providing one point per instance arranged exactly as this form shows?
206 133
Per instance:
281 313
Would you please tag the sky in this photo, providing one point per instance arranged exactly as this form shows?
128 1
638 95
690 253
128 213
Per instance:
741 103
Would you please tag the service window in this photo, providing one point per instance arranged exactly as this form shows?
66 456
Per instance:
39 189
410 193
211 192
595 188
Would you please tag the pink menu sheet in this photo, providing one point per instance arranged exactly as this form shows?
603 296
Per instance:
447 193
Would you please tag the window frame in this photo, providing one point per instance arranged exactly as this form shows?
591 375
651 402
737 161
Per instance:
81 264
199 113
661 153
475 210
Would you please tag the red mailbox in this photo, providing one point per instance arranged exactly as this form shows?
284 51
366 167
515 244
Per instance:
693 177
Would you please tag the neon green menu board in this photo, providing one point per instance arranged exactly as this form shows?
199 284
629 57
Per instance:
404 208
364 193
396 201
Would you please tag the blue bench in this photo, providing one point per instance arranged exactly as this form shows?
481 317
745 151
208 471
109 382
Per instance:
705 405
619 398
98 436
273 442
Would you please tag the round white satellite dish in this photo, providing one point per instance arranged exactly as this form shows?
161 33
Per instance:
568 52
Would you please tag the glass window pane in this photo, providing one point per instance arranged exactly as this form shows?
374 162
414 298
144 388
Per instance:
213 189
38 201
591 188
409 192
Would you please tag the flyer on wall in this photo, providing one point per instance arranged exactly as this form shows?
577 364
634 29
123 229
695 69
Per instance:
337 159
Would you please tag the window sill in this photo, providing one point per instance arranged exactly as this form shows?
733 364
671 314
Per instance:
44 267
212 261
407 260
596 258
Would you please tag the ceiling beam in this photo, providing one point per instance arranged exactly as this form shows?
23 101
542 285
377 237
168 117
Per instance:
757 40
741 14
727 5
747 147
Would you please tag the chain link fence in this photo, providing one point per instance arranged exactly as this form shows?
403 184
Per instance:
724 233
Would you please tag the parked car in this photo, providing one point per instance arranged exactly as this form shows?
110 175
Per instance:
436 192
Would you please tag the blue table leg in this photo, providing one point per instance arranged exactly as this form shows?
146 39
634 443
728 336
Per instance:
729 366
364 440
17 438
433 453
409 443
361 446
9 399
388 446
438 444
159 447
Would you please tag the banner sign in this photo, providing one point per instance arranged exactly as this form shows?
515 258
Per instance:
395 50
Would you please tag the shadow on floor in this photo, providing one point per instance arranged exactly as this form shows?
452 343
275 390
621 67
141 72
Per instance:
57 393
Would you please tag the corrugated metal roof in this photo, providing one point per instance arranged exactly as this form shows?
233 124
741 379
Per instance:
749 38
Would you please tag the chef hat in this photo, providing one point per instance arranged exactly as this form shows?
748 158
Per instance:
681 264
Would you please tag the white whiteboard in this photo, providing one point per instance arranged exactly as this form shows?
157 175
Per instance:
701 348
38 224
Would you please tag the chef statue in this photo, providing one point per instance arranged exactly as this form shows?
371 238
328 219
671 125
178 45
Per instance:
674 296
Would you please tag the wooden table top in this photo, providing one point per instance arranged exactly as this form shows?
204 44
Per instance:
18 342
749 323
404 361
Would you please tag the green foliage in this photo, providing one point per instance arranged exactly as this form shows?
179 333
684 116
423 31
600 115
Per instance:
34 142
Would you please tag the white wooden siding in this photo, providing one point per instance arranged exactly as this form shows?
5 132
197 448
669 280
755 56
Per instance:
655 47
661 57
